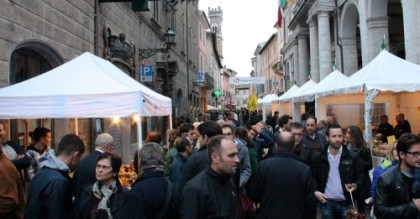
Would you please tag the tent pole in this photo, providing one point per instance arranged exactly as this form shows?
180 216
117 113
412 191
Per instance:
170 121
76 126
139 134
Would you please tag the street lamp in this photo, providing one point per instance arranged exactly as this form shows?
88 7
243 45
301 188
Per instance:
169 40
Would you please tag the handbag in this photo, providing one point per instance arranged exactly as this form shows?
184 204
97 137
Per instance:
247 206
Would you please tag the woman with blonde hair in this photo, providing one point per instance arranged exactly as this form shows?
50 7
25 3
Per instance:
390 160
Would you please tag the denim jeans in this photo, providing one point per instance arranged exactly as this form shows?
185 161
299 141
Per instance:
334 210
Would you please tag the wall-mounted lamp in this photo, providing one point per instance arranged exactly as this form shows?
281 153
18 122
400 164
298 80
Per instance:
170 40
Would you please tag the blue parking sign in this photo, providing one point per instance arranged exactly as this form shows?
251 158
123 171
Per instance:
200 76
146 73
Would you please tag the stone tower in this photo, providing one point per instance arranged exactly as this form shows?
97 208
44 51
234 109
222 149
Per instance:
216 18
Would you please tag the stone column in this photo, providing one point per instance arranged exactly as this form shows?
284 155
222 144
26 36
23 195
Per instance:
324 38
350 56
303 59
378 28
314 50
411 25
295 75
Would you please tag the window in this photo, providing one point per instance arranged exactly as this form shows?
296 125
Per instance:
353 114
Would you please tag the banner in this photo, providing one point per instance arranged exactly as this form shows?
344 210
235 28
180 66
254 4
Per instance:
246 80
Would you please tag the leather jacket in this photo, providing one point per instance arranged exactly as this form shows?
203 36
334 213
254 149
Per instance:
392 198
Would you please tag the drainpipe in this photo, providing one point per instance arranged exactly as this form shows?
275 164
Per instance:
337 38
96 28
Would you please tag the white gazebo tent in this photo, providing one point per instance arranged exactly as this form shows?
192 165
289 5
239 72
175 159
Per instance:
266 101
296 106
333 78
85 87
396 80
284 107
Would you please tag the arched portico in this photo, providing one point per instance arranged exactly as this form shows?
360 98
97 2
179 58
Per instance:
350 39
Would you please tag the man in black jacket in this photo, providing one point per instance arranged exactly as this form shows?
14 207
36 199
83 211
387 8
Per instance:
393 196
199 160
212 193
50 189
337 172
283 184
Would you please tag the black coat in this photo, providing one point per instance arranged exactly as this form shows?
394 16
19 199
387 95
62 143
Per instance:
209 195
84 175
284 188
196 163
392 198
350 170
148 194
49 195
119 208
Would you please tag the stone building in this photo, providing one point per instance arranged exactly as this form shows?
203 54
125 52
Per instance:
37 36
320 34
208 77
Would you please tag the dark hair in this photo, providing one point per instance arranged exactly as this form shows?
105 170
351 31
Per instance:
185 127
357 139
384 116
406 141
283 120
69 144
155 137
181 144
296 125
285 142
214 145
209 129
312 117
40 132
116 161
332 126
242 133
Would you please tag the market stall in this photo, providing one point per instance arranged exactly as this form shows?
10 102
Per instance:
285 105
85 87
388 80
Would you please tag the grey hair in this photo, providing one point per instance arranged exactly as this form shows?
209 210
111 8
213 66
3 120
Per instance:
103 139
151 154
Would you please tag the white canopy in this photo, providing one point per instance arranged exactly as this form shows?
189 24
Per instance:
85 87
286 96
335 77
267 99
386 72
305 87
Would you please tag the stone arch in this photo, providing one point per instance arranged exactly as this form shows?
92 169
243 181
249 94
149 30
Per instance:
350 38
29 59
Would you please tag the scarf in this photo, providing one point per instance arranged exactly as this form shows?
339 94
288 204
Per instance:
104 193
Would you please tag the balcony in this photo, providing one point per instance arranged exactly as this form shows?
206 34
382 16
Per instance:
207 83
278 68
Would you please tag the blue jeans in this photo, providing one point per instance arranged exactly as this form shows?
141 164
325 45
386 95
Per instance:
334 209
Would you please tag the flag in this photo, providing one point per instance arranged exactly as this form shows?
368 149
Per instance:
279 16
383 45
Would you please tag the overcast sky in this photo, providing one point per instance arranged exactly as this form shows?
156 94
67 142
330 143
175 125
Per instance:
246 23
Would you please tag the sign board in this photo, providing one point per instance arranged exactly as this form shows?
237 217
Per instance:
200 76
217 93
146 73
246 80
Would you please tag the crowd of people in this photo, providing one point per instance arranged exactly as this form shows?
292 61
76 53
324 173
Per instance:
235 166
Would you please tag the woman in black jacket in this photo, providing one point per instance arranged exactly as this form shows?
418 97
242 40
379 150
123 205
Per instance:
357 144
106 198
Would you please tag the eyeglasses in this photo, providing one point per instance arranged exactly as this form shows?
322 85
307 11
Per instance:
415 154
